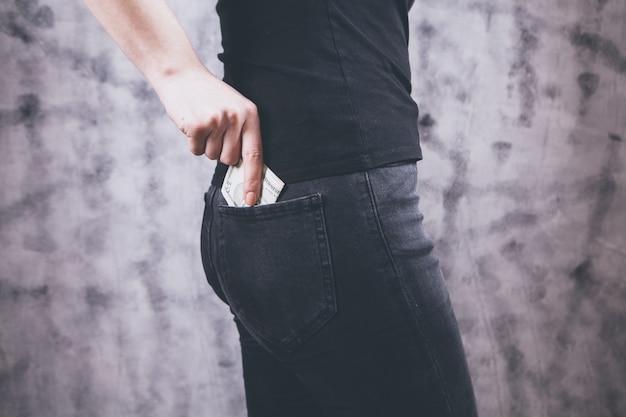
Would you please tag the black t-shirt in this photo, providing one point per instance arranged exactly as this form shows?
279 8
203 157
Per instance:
331 80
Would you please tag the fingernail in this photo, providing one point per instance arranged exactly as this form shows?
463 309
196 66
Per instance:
251 198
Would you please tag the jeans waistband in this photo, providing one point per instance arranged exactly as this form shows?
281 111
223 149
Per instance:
220 171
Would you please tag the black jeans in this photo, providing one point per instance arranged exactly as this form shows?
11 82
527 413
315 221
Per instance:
340 303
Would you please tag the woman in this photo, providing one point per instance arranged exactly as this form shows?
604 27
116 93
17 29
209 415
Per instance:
339 301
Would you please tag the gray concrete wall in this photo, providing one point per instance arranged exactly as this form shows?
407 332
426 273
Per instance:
103 306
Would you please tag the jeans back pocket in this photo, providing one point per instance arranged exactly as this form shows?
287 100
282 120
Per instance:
277 271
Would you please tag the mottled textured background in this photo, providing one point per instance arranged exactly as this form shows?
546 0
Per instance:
103 306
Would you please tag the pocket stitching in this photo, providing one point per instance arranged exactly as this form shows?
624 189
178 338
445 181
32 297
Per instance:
271 210
313 205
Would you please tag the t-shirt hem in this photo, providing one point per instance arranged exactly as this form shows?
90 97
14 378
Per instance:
332 168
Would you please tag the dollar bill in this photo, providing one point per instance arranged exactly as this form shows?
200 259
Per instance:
232 188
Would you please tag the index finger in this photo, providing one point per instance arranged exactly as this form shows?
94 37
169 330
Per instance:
252 156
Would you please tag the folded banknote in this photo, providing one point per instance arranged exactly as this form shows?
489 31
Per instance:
232 188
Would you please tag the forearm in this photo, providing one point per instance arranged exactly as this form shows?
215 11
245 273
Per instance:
218 120
149 33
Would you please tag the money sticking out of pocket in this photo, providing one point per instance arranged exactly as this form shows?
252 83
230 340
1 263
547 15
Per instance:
232 188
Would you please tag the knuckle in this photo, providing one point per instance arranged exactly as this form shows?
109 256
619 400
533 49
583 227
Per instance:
199 128
228 159
213 121
212 150
207 125
253 154
183 128
232 117
193 129
252 184
192 132
195 148
211 154
251 108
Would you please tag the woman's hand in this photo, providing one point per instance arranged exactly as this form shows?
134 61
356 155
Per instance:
219 122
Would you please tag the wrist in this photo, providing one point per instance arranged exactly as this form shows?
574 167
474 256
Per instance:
165 74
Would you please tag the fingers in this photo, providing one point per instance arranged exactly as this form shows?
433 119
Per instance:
220 138
252 155
199 134
216 139
231 143
230 133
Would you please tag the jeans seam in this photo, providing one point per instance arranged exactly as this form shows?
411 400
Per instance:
208 226
408 298
325 257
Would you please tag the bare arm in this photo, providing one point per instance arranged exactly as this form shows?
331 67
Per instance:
219 122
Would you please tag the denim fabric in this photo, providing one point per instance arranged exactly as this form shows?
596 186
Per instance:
340 303
276 269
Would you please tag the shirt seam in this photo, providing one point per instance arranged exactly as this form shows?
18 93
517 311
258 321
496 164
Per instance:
347 84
